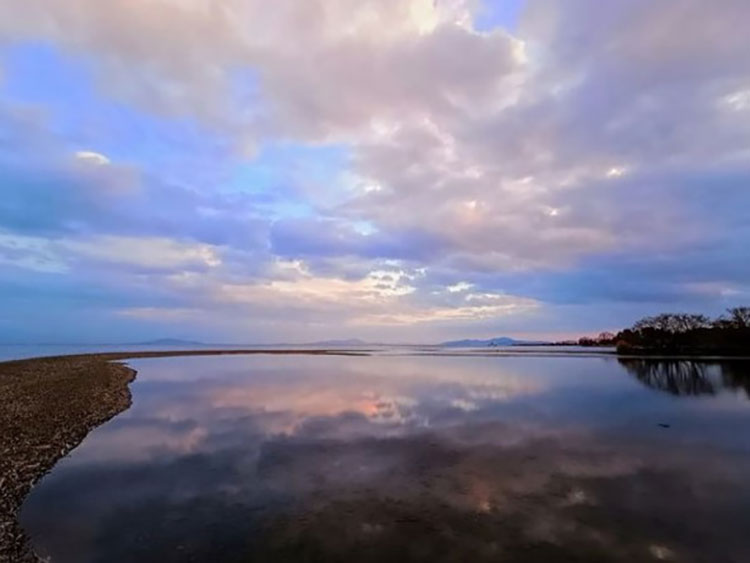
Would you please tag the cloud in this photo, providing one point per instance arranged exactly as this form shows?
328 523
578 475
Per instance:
151 253
160 313
474 307
592 155
139 253
92 157
29 253
380 298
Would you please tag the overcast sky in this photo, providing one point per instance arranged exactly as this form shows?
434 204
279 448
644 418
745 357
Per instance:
397 170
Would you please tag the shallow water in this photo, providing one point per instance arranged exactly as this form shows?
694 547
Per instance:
409 458
23 351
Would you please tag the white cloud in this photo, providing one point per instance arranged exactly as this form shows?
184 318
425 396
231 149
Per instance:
459 287
92 157
384 297
59 254
475 307
306 290
738 101
30 253
146 252
616 172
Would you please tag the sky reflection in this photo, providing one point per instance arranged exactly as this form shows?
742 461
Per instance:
343 458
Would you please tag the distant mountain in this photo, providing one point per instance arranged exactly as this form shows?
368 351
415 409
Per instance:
170 342
472 343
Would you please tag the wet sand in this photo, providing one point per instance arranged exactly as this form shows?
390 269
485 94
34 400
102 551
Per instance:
48 407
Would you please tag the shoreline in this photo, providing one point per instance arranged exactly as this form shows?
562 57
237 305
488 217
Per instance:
50 404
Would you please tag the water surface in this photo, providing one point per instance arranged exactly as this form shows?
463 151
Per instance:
412 458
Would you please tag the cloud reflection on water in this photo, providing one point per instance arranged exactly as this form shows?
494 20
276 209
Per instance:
367 458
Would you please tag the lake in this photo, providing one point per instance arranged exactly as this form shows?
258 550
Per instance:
407 457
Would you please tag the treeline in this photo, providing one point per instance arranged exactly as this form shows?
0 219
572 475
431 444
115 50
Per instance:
687 334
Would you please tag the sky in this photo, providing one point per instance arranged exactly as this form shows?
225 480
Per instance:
391 170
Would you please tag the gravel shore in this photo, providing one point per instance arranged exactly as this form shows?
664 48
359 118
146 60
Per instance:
48 406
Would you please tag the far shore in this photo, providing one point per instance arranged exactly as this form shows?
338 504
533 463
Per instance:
49 405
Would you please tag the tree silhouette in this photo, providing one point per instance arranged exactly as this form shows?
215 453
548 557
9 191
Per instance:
683 333
739 317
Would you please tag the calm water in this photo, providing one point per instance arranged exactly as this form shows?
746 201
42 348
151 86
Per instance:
406 458
21 351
